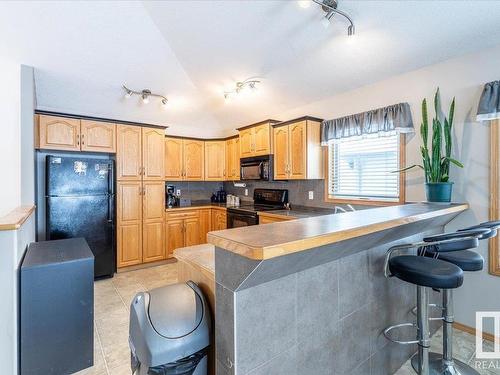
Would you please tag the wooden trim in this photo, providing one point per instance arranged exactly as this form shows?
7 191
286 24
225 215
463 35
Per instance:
146 265
371 202
16 218
472 331
494 244
201 139
99 119
268 121
298 119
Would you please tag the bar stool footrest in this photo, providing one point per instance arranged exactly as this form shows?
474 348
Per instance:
388 336
433 305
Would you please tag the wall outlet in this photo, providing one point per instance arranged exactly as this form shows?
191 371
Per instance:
246 192
311 195
178 192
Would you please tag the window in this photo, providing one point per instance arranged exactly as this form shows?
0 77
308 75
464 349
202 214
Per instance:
363 169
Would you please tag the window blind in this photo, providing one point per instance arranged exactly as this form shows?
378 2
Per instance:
362 168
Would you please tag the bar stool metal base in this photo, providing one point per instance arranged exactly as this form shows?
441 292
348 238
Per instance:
437 367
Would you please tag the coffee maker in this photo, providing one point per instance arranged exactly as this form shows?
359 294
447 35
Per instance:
171 200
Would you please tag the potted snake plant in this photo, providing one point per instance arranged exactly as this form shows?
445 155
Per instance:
436 161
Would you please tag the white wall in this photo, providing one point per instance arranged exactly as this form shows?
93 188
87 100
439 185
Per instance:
10 140
464 78
17 188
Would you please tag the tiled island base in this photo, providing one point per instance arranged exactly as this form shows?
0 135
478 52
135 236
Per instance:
324 319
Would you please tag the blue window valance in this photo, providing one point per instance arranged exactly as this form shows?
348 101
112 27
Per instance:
489 104
378 122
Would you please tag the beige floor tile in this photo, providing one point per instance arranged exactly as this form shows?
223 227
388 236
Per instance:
111 302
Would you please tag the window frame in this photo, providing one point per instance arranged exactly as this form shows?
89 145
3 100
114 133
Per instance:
494 243
369 201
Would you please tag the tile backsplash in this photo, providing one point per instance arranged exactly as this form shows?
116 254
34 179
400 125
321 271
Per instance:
196 190
298 191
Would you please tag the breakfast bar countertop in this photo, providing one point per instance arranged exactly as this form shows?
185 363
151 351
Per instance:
298 212
260 242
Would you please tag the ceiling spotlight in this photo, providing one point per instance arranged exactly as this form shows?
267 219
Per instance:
330 8
145 95
249 82
128 93
304 3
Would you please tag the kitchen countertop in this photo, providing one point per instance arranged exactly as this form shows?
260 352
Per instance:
260 242
198 204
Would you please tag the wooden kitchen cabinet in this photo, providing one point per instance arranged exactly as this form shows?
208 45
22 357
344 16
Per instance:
98 136
174 159
219 221
184 159
265 219
129 223
182 229
58 133
205 223
256 140
297 150
194 160
174 230
153 203
128 152
215 164
153 151
232 159
281 152
246 143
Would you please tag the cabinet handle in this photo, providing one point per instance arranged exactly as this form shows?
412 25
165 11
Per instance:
83 142
78 139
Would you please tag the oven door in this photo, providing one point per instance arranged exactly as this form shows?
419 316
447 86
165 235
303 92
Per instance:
251 171
236 220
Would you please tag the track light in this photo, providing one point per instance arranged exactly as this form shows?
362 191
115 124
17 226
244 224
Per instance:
330 8
145 95
249 82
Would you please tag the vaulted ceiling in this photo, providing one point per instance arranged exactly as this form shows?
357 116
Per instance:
192 51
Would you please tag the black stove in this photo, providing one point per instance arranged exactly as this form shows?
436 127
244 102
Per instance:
263 200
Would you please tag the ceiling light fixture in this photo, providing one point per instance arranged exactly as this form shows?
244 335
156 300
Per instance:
330 8
249 82
145 95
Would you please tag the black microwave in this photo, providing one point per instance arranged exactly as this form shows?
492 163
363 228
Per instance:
257 168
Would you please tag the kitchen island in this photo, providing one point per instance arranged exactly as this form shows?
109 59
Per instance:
308 296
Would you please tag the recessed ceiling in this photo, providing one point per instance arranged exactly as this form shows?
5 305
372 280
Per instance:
193 51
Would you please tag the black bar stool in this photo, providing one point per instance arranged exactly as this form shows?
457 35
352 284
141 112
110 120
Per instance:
425 273
467 260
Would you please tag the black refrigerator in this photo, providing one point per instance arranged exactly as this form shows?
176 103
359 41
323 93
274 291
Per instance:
80 202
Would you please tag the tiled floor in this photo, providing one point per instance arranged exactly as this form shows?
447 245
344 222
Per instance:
112 299
111 308
464 349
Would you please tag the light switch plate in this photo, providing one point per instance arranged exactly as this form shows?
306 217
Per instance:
246 192
178 192
311 195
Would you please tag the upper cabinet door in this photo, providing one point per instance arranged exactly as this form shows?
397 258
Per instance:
237 158
128 152
262 140
98 136
230 159
246 143
298 151
174 166
215 164
281 160
153 154
59 133
194 160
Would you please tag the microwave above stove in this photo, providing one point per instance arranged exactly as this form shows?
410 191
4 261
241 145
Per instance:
257 168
